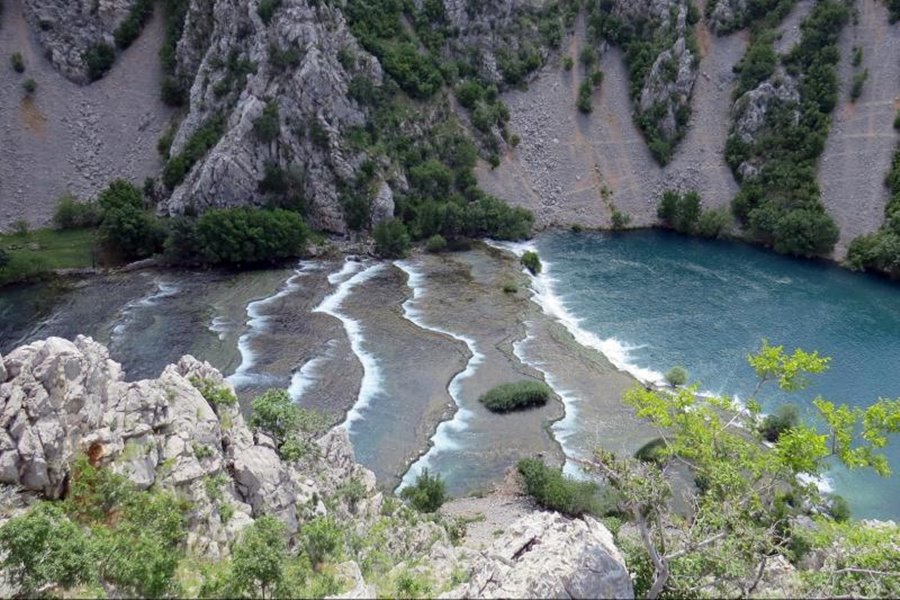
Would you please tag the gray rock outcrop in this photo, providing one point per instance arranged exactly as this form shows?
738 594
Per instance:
63 399
546 555
727 15
68 28
303 62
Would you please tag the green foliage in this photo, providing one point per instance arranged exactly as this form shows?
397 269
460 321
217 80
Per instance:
585 97
427 494
99 59
677 376
106 530
172 89
44 548
214 393
554 491
250 236
509 397
737 520
714 223
531 261
680 212
568 63
784 418
391 239
757 64
72 214
257 564
620 220
322 539
17 62
131 27
292 426
266 10
857 56
30 86
864 564
436 243
781 206
859 80
267 126
128 229
201 141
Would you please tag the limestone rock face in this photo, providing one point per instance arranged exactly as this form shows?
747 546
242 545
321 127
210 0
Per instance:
665 97
751 110
68 28
303 62
546 555
61 399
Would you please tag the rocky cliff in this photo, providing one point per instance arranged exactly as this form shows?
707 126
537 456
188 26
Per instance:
60 400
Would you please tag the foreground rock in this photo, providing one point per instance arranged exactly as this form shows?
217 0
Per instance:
60 400
545 555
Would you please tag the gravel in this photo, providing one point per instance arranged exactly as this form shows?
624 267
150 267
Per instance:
573 168
70 137
862 142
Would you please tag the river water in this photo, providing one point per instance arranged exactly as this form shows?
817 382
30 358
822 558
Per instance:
652 300
400 352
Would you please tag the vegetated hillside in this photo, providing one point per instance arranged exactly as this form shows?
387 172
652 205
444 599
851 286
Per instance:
354 111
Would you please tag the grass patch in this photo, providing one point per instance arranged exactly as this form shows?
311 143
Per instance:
31 254
516 396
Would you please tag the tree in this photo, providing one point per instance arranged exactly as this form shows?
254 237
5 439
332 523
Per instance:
391 239
739 517
427 494
257 563
275 413
250 236
676 376
322 538
43 548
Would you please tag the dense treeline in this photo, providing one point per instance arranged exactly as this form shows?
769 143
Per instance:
779 204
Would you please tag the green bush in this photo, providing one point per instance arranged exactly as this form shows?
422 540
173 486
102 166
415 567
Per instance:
131 233
131 27
72 214
531 261
714 223
250 236
859 80
391 239
620 220
214 393
17 62
839 508
258 557
677 376
554 491
44 548
568 63
266 10
436 243
784 418
200 142
321 539
680 212
99 59
30 86
427 494
508 397
585 97
267 126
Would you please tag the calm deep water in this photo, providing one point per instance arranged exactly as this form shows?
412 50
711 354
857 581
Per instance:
671 300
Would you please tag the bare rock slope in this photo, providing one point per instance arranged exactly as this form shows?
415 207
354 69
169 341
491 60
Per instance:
67 137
